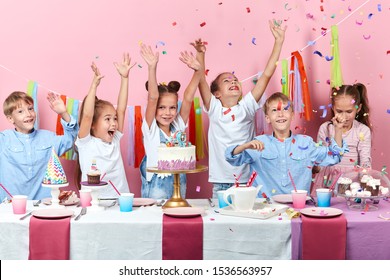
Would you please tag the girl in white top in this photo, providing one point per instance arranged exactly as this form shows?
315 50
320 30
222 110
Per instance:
101 128
162 120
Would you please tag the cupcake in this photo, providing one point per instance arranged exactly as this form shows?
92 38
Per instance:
383 190
93 174
364 180
343 184
373 186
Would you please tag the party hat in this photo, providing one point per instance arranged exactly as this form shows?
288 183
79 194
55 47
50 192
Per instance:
54 174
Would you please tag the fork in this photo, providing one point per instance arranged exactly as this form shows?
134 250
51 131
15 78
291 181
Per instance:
211 202
112 204
82 212
36 203
161 203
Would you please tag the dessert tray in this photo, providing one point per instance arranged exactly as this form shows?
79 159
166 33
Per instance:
260 211
358 199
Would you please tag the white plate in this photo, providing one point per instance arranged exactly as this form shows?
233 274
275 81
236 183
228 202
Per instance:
139 201
47 201
321 212
285 198
52 213
184 212
260 211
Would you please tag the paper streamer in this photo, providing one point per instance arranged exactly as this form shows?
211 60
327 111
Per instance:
130 148
335 70
139 150
285 90
69 108
198 129
75 115
192 125
32 90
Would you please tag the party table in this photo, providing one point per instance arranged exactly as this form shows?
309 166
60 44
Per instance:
111 234
367 236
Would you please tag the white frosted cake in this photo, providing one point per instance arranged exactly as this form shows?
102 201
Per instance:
176 158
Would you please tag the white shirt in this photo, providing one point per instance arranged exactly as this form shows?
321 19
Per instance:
108 160
152 140
229 126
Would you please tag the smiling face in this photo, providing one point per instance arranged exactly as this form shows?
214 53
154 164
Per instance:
279 114
166 110
23 117
346 107
105 124
227 89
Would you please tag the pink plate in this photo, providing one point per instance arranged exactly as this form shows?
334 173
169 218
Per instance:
321 212
52 213
139 201
47 201
184 212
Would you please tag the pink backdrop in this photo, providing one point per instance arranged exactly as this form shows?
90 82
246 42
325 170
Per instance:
54 43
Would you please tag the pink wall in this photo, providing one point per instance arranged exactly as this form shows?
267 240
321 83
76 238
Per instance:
54 42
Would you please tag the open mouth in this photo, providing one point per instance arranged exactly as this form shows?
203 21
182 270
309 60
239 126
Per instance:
111 133
281 121
234 88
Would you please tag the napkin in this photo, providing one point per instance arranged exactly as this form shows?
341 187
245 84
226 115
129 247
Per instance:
49 239
182 238
324 238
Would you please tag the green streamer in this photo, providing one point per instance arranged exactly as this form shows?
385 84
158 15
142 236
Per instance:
285 77
335 70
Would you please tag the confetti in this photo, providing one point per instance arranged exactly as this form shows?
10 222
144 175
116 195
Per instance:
383 171
212 219
285 7
303 148
248 10
139 66
366 37
161 43
322 8
370 16
379 8
388 111
229 43
97 57
202 24
254 41
309 16
164 52
325 112
174 23
279 106
206 71
329 58
197 188
301 127
359 23
318 53
349 8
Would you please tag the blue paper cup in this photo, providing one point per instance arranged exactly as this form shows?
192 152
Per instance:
221 201
323 197
126 202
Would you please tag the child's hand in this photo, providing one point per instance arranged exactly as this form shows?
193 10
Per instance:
199 46
338 121
255 145
277 30
98 76
147 54
124 67
56 103
190 60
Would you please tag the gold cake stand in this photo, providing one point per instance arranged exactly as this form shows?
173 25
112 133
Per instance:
176 200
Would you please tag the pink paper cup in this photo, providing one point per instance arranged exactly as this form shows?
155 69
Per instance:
85 197
299 198
19 203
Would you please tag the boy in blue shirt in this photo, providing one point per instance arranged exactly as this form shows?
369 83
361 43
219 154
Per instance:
24 151
273 156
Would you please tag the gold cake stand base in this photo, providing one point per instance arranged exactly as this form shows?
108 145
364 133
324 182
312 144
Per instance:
176 200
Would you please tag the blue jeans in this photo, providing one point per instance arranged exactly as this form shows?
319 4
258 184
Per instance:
220 187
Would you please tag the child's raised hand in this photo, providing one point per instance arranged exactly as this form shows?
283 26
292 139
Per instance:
338 121
98 76
190 60
199 46
124 67
255 145
148 55
56 103
277 30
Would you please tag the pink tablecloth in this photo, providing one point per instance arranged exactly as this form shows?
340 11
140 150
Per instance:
324 238
49 239
182 238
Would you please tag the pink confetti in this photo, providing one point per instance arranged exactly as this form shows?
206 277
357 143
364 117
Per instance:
197 188
212 219
202 24
248 10
359 23
366 37
174 23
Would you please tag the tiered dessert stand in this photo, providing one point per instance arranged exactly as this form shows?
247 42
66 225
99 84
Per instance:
176 200
95 188
55 192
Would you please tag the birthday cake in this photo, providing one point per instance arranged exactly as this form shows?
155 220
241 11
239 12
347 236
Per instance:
93 174
176 154
54 174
